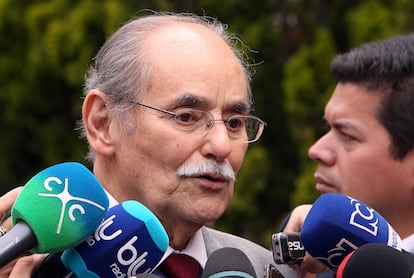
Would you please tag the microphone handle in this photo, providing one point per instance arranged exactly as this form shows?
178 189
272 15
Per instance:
16 242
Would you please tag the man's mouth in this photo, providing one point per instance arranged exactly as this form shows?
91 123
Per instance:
213 177
211 181
323 186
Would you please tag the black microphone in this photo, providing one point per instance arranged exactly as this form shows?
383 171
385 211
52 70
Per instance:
228 262
376 260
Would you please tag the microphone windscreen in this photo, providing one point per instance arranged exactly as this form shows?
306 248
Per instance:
62 205
228 262
376 260
131 240
336 225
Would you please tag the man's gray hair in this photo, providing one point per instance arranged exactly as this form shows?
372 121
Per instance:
121 71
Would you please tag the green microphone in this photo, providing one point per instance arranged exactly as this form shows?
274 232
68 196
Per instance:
57 209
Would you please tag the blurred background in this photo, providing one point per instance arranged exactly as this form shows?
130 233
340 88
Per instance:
46 47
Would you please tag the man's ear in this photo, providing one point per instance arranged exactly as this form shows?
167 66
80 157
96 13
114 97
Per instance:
97 121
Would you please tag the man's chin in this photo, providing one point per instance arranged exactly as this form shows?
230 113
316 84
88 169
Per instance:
206 216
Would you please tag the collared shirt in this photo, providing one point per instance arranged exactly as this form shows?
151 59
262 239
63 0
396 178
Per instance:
408 243
112 201
195 248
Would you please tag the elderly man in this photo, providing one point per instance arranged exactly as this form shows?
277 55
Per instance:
167 118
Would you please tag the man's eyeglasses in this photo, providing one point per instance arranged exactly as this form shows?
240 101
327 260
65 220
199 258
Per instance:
246 127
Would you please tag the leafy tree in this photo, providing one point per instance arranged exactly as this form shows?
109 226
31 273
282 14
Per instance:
351 24
46 47
307 89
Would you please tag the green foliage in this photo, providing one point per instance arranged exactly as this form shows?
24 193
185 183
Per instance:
252 182
46 47
304 191
307 88
308 84
372 20
242 214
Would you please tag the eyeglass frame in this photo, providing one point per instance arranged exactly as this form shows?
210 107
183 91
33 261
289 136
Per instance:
259 132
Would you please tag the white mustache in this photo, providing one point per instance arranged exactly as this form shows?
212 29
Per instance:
206 167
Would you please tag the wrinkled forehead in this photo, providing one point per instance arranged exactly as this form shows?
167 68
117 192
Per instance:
183 40
190 62
182 32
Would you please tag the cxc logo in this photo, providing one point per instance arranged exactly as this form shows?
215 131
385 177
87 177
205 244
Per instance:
65 197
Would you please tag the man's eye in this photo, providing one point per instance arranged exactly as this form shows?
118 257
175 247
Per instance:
184 117
188 117
235 123
346 136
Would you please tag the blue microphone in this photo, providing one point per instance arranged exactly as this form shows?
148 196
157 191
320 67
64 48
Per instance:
57 209
130 241
336 225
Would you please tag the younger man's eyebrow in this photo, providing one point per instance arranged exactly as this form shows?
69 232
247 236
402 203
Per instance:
340 125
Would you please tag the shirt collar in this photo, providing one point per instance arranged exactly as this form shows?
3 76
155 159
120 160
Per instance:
195 248
408 243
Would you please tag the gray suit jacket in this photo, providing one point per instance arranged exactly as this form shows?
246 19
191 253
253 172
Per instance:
258 255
